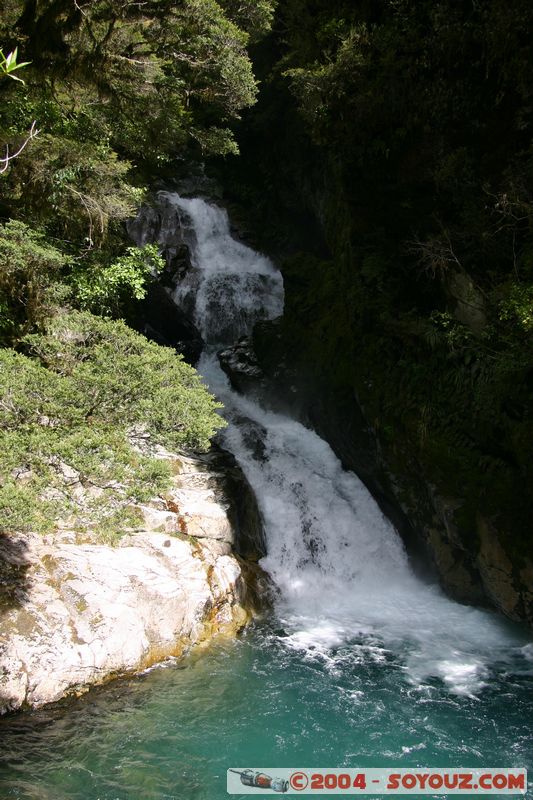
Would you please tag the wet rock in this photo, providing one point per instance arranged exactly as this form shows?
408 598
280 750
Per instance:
162 321
226 490
178 265
145 227
243 511
159 318
509 587
241 365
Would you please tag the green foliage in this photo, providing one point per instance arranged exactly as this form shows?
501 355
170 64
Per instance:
105 290
216 139
68 420
73 188
9 64
134 75
405 129
518 307
22 510
118 92
253 16
125 380
29 268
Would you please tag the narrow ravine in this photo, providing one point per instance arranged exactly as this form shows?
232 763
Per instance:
339 565
360 662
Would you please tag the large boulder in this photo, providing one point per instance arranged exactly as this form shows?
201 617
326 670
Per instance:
240 364
76 612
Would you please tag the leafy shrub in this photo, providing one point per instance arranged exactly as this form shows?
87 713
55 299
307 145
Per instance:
125 380
29 268
67 415
107 289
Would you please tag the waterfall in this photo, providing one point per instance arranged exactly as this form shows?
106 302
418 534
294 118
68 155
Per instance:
230 286
345 586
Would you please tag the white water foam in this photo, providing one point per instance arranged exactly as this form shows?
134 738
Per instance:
346 589
233 286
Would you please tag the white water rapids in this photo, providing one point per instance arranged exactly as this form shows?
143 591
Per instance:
346 589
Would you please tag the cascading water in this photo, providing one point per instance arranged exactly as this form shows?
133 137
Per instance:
234 286
361 664
342 573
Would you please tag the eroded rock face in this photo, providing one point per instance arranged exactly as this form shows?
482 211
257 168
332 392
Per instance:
159 317
508 584
163 322
240 364
475 565
76 613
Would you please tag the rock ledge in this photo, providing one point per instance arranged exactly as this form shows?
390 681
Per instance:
77 612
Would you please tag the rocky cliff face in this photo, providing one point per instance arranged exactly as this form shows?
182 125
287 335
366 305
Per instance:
312 362
475 565
160 318
76 612
407 273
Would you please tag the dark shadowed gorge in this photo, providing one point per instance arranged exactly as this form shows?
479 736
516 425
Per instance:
388 164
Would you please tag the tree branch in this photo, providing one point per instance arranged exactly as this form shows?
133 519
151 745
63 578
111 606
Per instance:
6 160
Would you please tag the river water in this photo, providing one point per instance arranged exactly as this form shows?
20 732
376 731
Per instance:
360 663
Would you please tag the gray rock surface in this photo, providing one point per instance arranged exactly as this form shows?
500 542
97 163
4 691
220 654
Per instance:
77 612
240 364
